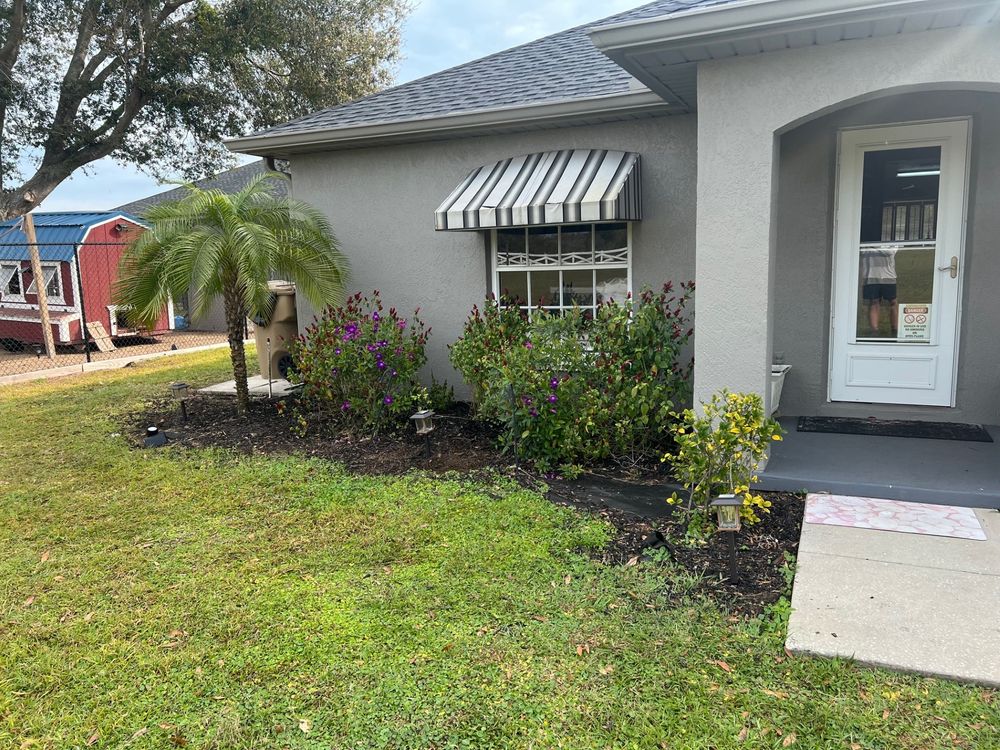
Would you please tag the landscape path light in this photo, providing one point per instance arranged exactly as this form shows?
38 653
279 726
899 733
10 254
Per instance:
423 420
180 391
727 511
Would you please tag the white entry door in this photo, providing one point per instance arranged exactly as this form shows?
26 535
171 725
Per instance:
898 250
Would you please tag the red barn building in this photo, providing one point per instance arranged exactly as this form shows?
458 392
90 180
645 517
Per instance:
80 254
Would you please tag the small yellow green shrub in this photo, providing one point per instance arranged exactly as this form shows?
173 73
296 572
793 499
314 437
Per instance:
719 452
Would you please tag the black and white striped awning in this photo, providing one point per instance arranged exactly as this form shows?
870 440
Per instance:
554 187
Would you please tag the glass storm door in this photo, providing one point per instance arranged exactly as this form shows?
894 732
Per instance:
898 263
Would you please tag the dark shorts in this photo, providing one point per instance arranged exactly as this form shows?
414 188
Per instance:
874 292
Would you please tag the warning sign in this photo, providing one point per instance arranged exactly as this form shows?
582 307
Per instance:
914 322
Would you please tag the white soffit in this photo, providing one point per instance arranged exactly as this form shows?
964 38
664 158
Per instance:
664 52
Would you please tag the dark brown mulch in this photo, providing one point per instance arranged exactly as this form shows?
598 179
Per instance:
637 510
761 548
458 442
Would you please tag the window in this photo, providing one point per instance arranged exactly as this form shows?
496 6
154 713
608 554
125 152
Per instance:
559 267
53 282
10 281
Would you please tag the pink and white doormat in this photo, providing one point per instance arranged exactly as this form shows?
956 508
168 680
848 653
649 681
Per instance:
893 515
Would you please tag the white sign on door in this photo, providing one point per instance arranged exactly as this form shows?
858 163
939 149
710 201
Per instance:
914 322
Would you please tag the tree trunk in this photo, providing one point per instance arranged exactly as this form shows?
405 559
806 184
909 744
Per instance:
235 317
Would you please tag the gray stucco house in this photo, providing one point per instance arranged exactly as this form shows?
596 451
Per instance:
827 171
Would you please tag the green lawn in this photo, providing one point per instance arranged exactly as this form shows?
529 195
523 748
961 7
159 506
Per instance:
171 598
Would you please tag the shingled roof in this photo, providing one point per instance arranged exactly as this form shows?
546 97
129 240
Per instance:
230 181
560 67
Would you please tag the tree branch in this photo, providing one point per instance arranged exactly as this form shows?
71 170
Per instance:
8 57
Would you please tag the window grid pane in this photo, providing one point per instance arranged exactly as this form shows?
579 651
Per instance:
582 264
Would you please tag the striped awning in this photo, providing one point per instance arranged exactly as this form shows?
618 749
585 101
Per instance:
554 187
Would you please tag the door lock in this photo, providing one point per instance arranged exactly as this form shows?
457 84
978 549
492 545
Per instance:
952 267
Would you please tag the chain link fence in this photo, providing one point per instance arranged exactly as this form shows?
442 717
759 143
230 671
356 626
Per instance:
79 281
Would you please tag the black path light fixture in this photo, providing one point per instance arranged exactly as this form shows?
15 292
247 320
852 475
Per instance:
727 511
423 420
180 391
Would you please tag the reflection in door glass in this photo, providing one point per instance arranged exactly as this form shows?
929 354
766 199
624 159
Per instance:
897 247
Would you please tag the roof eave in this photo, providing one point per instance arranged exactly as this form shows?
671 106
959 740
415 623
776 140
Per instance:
742 19
687 35
625 105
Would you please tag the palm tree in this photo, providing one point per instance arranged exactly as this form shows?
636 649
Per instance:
212 243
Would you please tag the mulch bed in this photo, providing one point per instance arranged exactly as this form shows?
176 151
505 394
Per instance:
465 445
761 548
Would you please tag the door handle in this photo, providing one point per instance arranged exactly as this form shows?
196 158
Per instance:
952 267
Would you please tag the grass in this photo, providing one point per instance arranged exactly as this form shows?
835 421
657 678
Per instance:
157 599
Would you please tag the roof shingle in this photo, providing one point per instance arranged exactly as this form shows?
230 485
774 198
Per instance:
559 67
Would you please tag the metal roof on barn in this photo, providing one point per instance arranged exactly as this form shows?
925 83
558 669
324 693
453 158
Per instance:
57 233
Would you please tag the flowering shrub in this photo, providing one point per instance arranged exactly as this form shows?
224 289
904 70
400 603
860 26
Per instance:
573 389
718 453
489 333
359 363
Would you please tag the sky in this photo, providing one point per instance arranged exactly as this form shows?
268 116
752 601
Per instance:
437 35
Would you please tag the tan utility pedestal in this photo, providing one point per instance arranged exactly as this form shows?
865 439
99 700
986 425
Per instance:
281 329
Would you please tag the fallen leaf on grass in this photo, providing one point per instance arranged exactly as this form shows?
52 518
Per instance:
607 670
775 694
567 580
92 739
744 733
789 740
855 746
139 733
632 561
45 556
540 618
582 649
29 601
305 725
885 714
88 617
722 665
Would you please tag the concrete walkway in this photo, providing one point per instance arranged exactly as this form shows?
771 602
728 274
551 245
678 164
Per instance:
909 602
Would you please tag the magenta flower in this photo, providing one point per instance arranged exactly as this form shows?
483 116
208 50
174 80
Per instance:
387 400
553 398
528 345
345 406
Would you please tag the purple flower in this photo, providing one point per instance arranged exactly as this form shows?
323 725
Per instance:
382 344
526 399
554 383
394 373
381 365
553 398
345 406
375 316
533 412
402 324
337 350
387 400
528 345
398 351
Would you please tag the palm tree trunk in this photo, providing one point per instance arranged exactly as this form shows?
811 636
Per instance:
234 328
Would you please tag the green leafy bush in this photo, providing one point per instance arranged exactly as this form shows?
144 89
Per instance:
359 363
719 452
574 389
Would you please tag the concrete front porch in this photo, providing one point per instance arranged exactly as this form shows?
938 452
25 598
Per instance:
949 472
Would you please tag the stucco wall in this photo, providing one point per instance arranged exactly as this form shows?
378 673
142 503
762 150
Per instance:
803 255
744 104
381 202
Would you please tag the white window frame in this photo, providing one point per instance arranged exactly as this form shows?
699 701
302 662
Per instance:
559 266
5 296
56 299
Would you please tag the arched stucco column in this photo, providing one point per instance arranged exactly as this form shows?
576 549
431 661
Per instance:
744 104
